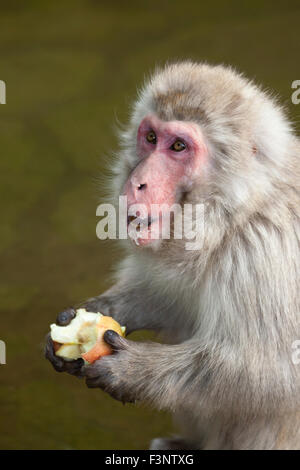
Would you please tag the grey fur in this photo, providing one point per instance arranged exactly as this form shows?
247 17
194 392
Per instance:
230 311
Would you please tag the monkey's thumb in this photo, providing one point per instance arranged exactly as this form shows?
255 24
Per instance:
114 340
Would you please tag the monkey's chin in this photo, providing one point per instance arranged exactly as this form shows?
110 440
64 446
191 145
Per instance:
143 242
148 244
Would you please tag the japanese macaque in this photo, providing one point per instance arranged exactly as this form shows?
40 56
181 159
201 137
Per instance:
228 312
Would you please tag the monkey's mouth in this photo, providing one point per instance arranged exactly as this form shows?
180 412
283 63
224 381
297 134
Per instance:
140 229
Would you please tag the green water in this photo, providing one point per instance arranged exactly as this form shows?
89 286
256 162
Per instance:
71 68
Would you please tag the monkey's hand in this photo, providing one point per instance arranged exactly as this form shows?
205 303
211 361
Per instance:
59 364
162 375
113 373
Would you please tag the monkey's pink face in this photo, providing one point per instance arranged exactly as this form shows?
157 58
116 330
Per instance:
171 156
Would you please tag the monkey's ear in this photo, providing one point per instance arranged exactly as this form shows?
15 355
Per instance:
114 340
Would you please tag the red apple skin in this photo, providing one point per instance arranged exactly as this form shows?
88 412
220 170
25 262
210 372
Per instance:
101 348
56 345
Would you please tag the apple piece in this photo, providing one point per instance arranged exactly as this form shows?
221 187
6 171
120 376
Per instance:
69 334
100 347
87 337
83 337
110 324
69 351
56 346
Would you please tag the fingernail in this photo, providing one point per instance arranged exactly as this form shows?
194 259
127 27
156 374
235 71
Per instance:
110 334
64 318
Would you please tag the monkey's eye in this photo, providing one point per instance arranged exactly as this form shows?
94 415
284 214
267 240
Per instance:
178 146
151 137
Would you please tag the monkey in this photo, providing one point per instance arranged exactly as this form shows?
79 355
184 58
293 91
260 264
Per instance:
227 313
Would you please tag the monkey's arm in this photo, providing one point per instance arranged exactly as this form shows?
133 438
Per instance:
129 303
169 376
158 373
132 305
